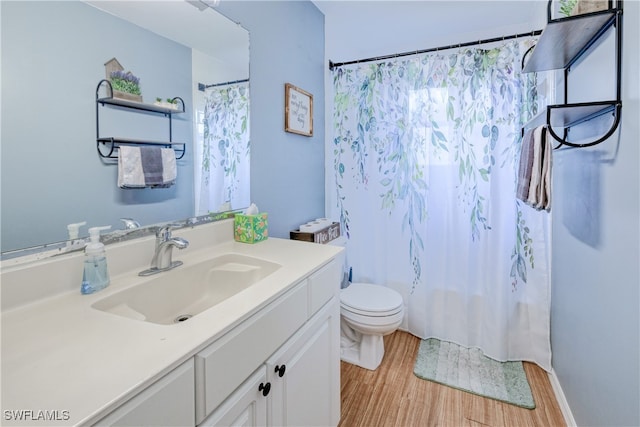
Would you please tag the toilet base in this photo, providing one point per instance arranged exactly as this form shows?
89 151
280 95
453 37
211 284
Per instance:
361 350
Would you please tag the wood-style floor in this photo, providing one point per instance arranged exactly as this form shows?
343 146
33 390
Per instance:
393 396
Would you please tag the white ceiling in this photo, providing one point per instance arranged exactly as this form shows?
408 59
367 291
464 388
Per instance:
360 29
205 30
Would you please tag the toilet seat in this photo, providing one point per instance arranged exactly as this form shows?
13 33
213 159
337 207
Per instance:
370 300
355 311
372 323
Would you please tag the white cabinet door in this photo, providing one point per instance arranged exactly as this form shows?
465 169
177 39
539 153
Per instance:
246 407
168 402
228 362
305 374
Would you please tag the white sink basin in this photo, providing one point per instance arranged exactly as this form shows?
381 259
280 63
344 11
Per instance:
179 294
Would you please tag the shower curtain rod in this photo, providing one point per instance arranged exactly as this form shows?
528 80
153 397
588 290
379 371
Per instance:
332 64
202 86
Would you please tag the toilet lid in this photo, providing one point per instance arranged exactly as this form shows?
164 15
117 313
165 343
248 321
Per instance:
370 298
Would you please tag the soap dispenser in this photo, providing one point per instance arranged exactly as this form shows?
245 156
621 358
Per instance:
95 275
74 243
74 229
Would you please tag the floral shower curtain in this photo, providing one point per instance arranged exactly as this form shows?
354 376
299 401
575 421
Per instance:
225 149
425 153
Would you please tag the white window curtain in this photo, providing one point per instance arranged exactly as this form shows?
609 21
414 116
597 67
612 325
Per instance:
425 153
225 151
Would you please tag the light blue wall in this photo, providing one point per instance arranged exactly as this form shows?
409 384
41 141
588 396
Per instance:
52 60
287 170
287 46
596 238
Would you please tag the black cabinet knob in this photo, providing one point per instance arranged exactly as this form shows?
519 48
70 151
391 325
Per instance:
264 388
280 370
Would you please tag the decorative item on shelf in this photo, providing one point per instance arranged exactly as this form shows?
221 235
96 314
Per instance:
588 6
125 85
169 103
580 7
298 110
568 7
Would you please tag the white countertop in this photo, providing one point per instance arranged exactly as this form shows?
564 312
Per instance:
60 354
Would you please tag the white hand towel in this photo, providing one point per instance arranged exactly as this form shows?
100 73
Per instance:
130 173
169 168
140 167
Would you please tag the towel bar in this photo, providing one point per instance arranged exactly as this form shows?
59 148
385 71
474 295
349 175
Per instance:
109 145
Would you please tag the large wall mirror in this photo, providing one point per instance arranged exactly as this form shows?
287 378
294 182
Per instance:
53 56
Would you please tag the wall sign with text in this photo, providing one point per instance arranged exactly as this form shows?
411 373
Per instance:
298 110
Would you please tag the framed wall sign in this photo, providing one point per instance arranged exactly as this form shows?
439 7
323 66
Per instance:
298 110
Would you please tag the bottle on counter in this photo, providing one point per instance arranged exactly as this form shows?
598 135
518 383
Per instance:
95 275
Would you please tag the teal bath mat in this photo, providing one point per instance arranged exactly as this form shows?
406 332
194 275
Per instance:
469 370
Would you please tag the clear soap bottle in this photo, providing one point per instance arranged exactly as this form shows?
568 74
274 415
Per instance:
95 275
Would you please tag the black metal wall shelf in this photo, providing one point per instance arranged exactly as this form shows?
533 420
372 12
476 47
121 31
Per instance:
141 106
563 42
107 146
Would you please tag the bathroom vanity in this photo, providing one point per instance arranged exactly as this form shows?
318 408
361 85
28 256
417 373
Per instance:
268 354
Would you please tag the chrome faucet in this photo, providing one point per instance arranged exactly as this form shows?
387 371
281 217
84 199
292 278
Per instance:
130 223
164 249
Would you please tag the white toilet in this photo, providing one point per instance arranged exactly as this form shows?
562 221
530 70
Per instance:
368 312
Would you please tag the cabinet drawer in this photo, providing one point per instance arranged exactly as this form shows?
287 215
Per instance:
323 284
167 402
225 364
